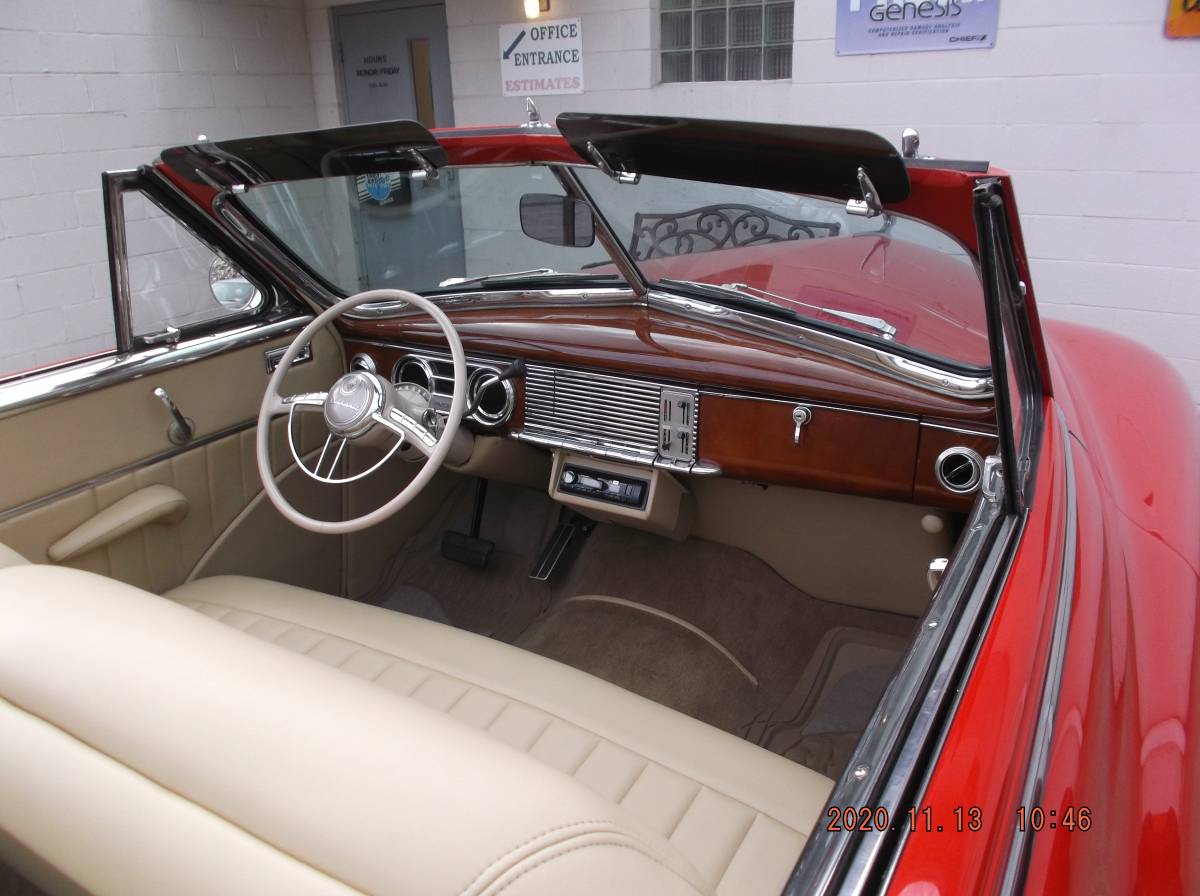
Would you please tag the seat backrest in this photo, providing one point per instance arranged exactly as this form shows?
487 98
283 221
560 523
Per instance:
147 749
9 557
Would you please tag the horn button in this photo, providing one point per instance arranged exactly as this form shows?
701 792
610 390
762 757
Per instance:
352 404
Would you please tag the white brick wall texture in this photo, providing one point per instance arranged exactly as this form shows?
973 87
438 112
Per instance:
89 85
1087 104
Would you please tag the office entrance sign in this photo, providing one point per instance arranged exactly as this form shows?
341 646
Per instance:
541 58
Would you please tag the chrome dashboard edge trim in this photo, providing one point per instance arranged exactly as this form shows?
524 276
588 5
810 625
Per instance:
620 455
62 382
597 296
897 367
847 409
877 360
960 430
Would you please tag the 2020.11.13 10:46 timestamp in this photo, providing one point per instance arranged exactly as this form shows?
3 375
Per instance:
958 819
1035 818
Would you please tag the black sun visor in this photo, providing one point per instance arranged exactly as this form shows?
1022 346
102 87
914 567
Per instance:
334 152
790 158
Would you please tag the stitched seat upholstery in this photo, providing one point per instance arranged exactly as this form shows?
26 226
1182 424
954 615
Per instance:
738 813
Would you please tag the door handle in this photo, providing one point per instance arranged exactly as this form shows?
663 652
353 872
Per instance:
169 336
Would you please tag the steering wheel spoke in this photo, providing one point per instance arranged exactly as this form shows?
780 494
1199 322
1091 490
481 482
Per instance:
302 401
358 404
409 430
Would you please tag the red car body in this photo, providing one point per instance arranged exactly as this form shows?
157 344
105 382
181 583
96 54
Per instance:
1116 493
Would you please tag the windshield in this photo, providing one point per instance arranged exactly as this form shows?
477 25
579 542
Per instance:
403 230
888 277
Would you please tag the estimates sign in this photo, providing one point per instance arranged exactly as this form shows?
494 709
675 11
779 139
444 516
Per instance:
1183 18
889 26
541 57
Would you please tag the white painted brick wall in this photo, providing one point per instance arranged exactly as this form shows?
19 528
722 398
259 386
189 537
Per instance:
1088 104
89 85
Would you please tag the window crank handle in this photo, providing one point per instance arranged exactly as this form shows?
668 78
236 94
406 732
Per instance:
181 429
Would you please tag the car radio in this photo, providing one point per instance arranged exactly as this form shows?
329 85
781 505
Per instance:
614 488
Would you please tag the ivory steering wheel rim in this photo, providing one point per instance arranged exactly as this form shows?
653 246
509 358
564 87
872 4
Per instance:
274 404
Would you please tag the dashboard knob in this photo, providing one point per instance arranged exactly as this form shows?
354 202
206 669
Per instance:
568 477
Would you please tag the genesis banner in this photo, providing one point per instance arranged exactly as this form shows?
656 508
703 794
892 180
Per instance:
888 26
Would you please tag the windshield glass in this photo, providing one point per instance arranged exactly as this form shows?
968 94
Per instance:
403 230
888 277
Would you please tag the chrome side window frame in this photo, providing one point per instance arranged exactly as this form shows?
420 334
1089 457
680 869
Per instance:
892 762
277 316
115 184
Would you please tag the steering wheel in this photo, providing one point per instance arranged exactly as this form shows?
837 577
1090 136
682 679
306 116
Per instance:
363 407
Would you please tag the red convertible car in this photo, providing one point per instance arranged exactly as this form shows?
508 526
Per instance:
632 505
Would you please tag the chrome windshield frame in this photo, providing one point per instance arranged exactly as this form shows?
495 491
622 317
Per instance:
893 360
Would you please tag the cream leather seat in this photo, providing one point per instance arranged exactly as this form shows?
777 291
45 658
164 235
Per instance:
566 783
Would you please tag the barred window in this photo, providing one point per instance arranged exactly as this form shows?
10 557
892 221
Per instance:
726 40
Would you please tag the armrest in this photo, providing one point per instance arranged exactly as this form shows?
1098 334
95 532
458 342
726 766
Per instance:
152 504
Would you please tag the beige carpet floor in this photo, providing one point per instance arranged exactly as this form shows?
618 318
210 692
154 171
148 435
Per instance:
798 675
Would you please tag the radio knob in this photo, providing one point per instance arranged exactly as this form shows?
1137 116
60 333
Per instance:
568 477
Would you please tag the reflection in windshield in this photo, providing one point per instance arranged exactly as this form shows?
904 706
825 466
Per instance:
888 277
404 230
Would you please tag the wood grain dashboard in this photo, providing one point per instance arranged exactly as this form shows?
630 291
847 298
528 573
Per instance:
868 434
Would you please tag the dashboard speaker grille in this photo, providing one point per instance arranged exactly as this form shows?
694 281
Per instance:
592 407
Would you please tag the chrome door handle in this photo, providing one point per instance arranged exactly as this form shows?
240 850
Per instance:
801 415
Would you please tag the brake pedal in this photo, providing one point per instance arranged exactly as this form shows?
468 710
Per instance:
468 548
563 546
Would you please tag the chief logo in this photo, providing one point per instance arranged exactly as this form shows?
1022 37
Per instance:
350 401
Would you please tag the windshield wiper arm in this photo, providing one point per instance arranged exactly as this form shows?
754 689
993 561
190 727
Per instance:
524 275
484 278
762 299
875 323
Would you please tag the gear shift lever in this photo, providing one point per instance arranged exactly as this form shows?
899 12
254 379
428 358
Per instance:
515 370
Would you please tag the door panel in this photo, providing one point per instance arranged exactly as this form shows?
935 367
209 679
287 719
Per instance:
95 433
82 454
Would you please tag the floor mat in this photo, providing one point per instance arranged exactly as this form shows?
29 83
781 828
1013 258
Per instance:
820 722
647 652
500 601
704 628
775 630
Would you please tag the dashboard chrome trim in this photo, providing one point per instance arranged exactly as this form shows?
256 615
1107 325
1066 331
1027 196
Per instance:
508 298
960 430
623 455
426 358
847 409
878 360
